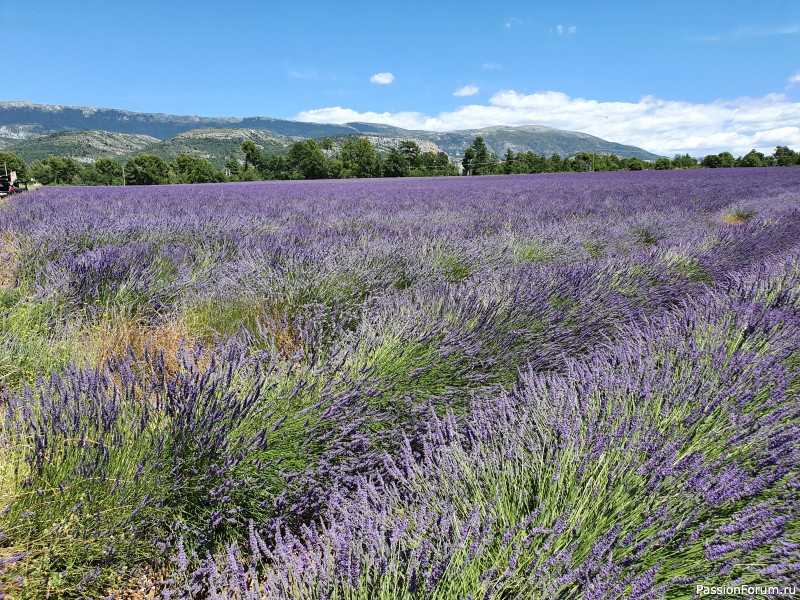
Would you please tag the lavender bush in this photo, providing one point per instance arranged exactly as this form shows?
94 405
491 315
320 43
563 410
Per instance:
573 386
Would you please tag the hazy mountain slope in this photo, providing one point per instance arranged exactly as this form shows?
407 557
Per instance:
35 119
23 120
531 138
83 146
384 143
216 145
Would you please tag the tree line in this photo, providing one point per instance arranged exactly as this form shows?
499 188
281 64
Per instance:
358 158
478 160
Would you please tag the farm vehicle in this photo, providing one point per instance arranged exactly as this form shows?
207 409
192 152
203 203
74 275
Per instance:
9 184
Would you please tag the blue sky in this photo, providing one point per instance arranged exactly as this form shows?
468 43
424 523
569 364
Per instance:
673 76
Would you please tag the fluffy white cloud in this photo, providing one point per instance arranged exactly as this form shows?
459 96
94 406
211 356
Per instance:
382 78
793 80
662 126
337 114
560 29
467 90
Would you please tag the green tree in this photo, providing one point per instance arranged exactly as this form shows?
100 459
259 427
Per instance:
55 170
193 169
753 159
396 164
554 164
434 164
12 162
360 159
529 162
663 164
146 169
634 164
468 161
582 162
684 162
411 150
274 167
232 168
252 156
306 161
508 161
726 160
786 157
104 171
485 162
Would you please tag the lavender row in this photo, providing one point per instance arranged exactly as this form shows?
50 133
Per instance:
452 362
662 461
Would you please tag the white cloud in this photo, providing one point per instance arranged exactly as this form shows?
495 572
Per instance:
384 78
337 114
513 21
793 80
662 126
746 32
561 30
572 29
467 90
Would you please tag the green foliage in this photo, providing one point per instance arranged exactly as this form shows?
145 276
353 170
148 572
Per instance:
484 162
190 169
786 157
718 161
753 159
433 164
396 164
252 155
529 162
104 171
453 268
233 167
29 344
634 164
468 161
663 164
146 169
684 162
306 161
508 161
55 170
360 159
12 162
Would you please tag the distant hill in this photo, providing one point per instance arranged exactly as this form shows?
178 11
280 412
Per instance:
532 138
21 122
216 145
83 146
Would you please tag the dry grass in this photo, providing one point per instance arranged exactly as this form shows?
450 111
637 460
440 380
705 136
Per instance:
9 261
120 334
285 335
737 217
270 325
145 586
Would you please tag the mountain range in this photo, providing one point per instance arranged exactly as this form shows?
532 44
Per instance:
34 131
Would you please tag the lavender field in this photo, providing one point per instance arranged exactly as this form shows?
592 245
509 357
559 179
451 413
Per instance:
549 386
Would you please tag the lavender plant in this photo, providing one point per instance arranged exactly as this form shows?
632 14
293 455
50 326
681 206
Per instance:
524 387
